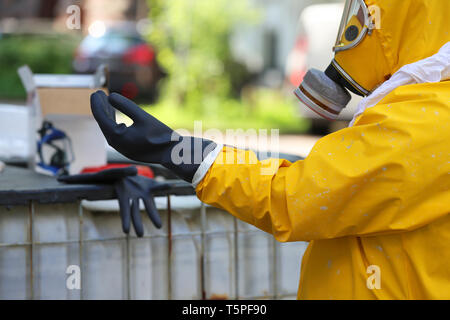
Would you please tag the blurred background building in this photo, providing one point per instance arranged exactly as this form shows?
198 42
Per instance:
269 48
263 47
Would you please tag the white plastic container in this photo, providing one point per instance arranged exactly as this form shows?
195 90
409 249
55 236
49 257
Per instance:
14 132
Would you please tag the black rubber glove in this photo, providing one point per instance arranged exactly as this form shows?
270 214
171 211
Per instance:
108 176
130 188
148 139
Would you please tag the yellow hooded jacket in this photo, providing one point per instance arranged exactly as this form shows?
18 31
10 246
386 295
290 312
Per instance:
372 199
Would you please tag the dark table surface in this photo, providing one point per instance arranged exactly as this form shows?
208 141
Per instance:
19 186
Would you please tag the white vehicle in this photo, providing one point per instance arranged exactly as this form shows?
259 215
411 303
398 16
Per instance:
317 31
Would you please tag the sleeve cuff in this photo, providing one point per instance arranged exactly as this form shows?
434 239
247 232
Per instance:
206 165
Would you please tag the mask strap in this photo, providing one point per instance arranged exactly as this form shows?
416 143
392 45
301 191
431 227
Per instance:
333 73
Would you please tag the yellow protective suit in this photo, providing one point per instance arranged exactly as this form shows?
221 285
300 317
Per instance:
372 199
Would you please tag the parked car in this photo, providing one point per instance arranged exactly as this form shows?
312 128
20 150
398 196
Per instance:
131 61
318 28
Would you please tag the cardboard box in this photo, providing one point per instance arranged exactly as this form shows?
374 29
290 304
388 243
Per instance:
64 100
68 101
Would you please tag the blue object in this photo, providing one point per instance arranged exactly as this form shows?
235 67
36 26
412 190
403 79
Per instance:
59 161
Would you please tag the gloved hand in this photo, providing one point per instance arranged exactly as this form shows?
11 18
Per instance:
129 187
148 139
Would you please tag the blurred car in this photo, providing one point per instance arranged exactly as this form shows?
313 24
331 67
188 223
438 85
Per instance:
318 28
131 61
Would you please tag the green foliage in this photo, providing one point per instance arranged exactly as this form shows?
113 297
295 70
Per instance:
260 108
192 38
44 54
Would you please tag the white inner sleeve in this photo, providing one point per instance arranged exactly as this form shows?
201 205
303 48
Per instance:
205 165
430 70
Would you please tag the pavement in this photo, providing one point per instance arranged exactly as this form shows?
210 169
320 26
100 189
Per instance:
300 145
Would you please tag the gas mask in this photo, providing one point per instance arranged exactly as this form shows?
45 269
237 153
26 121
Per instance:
375 39
327 93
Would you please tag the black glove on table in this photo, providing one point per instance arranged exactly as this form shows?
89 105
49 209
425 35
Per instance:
130 188
148 139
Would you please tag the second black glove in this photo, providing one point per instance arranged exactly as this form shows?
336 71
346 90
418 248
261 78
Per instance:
130 189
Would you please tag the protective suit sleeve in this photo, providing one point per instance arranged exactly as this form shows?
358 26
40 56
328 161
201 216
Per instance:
389 173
